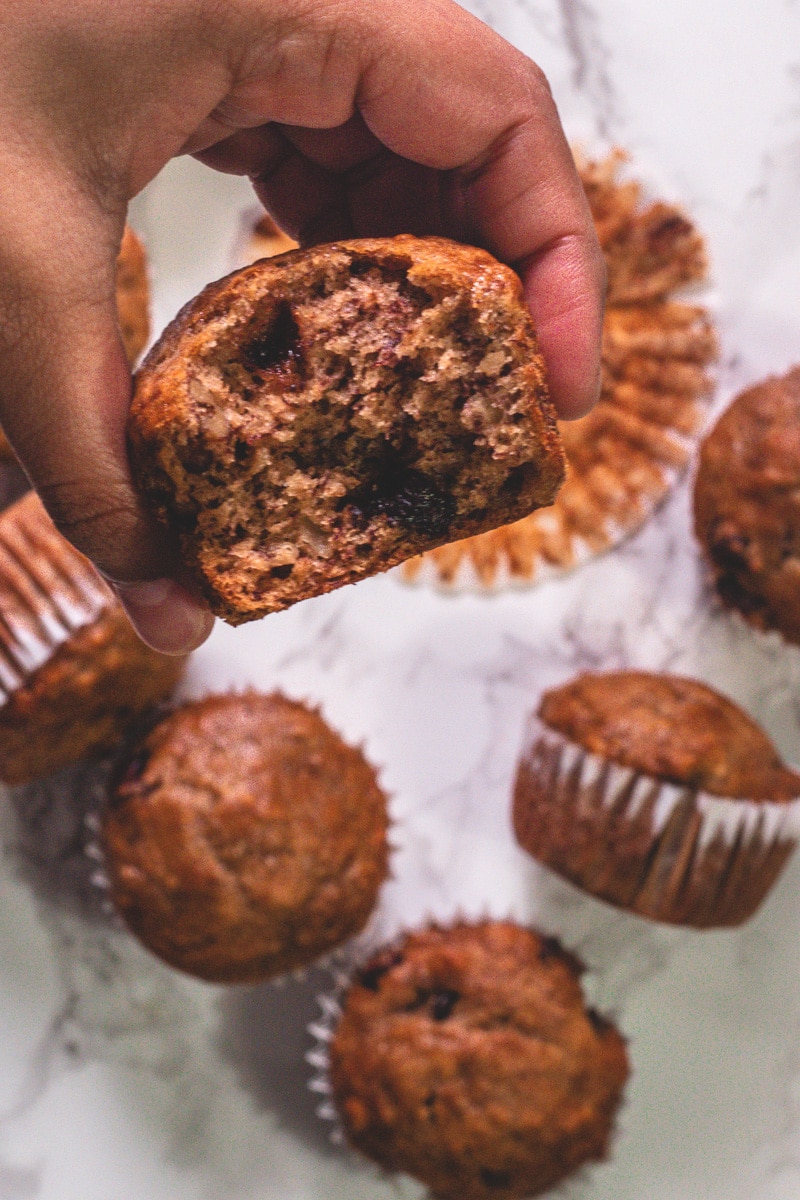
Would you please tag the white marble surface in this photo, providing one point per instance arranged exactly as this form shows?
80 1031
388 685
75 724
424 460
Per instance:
120 1079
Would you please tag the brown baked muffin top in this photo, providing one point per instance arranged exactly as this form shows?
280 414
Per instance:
673 728
747 504
244 838
322 415
74 676
466 1056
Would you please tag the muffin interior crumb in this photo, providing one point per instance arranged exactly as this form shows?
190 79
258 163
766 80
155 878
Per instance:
342 410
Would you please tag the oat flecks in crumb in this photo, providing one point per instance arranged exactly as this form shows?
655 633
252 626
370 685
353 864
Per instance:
623 458
323 415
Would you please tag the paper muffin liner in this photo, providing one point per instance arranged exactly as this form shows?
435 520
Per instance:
670 852
627 455
48 592
330 1003
57 841
101 776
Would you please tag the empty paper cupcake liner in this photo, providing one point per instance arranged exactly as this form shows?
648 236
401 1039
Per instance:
666 851
625 457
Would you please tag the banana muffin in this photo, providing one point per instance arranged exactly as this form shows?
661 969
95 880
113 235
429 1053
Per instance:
74 676
243 838
658 794
322 415
467 1057
747 505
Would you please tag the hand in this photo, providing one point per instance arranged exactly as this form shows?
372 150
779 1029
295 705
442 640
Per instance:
352 119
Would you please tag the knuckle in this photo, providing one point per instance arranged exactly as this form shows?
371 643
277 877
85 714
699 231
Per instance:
107 526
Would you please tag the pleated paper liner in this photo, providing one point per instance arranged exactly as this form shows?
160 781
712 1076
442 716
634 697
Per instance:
332 1004
48 592
625 457
669 852
73 674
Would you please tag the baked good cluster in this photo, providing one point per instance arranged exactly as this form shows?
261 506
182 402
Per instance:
321 415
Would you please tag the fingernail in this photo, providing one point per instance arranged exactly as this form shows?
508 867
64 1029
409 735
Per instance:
165 615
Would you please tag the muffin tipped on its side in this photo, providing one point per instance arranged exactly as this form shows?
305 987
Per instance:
658 794
468 1057
243 838
323 415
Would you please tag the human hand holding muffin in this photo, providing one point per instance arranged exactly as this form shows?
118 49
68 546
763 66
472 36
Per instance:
362 120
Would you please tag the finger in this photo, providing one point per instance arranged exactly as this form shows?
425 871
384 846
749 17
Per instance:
64 399
437 88
518 193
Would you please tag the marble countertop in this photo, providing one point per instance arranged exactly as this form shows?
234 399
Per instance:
121 1079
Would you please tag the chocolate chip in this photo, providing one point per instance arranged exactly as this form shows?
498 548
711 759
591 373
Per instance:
407 498
371 975
495 1179
442 1003
278 348
598 1022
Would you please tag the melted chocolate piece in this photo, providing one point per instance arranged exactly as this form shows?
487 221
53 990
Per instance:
279 348
408 498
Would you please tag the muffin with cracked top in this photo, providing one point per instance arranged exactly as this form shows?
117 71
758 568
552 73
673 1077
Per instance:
320 416
467 1057
244 838
658 794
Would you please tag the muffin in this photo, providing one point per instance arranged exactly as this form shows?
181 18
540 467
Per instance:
133 306
747 505
133 295
657 794
320 416
74 676
624 457
467 1057
267 239
243 838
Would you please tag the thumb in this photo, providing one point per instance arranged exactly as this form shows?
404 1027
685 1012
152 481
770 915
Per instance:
65 388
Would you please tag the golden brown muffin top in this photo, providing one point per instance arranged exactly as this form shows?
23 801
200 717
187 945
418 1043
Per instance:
673 728
467 1057
244 838
747 504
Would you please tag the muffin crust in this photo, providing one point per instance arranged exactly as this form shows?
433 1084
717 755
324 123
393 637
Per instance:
747 505
74 676
467 1057
244 838
673 728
